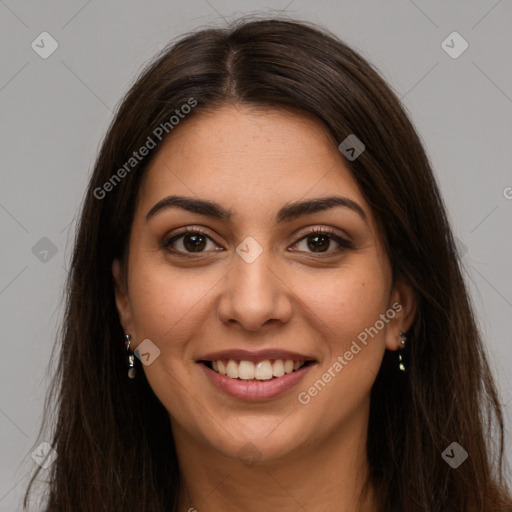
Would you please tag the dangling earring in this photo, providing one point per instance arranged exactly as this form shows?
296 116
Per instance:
132 371
401 365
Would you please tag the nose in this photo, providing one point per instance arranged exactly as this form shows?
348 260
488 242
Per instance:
254 295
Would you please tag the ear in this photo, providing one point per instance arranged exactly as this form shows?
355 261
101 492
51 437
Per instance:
122 299
403 303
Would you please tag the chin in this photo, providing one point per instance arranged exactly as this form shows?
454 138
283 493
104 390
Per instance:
260 439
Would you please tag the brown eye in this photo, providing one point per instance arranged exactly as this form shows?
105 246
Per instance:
194 243
321 240
190 241
318 243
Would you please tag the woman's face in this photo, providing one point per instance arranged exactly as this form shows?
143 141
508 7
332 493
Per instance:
270 274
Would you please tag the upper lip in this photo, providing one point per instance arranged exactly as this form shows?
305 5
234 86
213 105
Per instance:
254 356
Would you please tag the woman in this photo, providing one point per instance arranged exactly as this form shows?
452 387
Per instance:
265 307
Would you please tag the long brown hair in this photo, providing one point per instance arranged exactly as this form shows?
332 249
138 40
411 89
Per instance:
113 436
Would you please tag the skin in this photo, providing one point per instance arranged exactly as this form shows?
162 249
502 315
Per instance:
315 303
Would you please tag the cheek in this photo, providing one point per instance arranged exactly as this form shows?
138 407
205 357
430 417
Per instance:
347 301
166 303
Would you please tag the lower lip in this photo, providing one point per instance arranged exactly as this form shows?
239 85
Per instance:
255 389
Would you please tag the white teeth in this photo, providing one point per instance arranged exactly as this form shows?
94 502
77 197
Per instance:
246 370
288 366
262 370
278 368
232 369
222 367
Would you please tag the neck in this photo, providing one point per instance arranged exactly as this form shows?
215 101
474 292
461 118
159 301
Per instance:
320 477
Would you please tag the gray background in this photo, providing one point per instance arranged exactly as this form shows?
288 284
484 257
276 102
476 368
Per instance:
56 110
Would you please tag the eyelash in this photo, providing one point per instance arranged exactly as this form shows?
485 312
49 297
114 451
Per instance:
332 235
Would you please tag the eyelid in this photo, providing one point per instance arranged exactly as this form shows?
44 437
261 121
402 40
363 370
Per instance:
309 230
338 236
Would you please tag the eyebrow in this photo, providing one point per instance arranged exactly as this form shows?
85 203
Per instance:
288 212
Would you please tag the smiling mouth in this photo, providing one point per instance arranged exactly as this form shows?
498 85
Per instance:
265 370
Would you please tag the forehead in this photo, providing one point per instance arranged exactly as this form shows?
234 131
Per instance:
251 160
